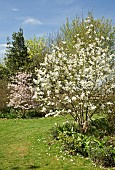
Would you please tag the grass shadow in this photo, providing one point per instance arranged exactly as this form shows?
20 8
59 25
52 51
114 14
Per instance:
15 168
29 167
33 167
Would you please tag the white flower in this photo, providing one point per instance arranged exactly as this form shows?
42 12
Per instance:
109 111
82 96
69 110
102 106
56 91
44 109
109 103
113 86
86 69
74 98
102 38
50 114
91 25
66 98
35 95
93 107
64 42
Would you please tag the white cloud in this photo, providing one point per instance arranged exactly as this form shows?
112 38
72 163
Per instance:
15 9
32 21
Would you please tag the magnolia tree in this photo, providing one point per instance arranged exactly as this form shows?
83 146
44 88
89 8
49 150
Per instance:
21 92
80 82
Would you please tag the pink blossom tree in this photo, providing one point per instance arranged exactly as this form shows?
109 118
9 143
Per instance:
21 92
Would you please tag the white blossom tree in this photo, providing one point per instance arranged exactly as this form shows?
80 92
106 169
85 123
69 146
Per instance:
78 80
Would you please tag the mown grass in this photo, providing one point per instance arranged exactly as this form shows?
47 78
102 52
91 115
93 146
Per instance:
26 144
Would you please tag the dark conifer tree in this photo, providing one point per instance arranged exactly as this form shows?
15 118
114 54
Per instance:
16 54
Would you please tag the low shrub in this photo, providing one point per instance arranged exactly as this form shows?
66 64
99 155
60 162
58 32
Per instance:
10 113
68 128
99 149
111 121
100 127
101 153
34 113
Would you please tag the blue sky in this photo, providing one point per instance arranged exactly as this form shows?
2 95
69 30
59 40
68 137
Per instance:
39 17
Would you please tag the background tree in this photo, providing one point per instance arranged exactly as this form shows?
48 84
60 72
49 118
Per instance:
4 75
37 48
16 54
3 94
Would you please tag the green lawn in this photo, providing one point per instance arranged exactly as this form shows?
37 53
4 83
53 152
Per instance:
25 144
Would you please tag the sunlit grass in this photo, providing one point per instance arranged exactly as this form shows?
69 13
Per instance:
26 144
